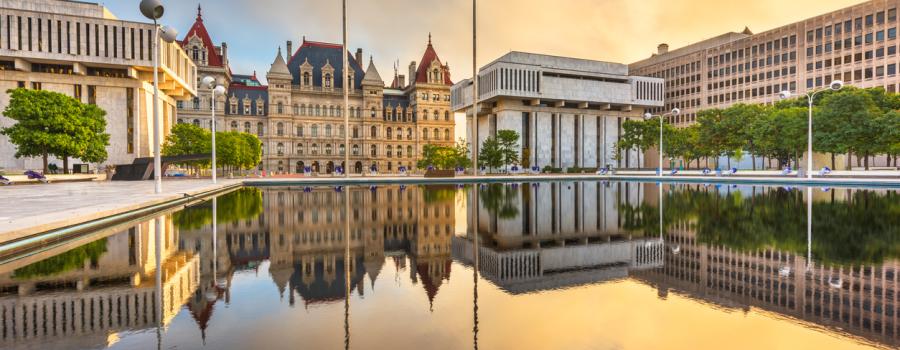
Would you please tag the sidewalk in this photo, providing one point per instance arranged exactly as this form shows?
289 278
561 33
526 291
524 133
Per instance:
27 210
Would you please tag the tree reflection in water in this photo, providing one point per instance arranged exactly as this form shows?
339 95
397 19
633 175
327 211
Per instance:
849 226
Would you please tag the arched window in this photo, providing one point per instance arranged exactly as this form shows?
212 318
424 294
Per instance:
437 134
388 151
425 114
260 110
280 108
355 132
327 130
296 109
425 134
300 130
314 150
306 79
318 110
259 129
300 149
341 130
355 150
342 149
303 109
373 133
399 151
437 115
409 151
447 117
280 149
196 122
373 151
409 134
436 75
314 131
446 134
331 112
327 80
328 149
388 133
234 126
247 127
372 114
399 133
279 128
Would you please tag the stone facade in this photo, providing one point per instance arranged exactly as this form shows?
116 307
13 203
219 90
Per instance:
568 112
81 50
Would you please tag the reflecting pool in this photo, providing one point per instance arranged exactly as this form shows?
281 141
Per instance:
550 265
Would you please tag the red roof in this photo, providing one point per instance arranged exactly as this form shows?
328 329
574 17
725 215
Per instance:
198 29
430 56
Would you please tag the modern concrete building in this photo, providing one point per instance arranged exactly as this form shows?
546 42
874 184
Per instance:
857 45
81 50
568 111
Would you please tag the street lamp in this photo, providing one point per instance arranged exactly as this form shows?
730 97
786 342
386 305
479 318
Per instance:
153 9
211 83
834 86
647 116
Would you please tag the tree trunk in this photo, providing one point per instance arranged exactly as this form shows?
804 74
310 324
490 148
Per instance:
832 161
65 164
858 161
753 158
867 160
729 162
46 168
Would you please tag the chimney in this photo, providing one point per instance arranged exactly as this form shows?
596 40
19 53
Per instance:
662 49
290 48
401 79
359 57
225 54
412 72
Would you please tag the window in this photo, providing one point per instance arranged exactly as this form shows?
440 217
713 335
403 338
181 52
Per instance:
372 113
314 150
328 149
247 127
409 152
314 131
300 131
328 130
327 80
399 151
373 132
447 135
388 151
300 149
306 79
280 149
259 129
279 129
373 151
234 126
342 149
355 150
447 117
388 133
280 108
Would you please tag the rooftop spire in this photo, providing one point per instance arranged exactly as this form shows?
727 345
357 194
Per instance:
199 13
429 38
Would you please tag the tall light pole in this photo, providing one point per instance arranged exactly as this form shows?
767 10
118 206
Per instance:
153 9
647 116
346 97
210 82
810 96
474 89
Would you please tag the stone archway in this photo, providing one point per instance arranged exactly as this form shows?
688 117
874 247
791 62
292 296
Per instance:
300 166
315 166
358 167
329 167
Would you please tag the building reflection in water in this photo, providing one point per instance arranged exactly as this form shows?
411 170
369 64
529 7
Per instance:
552 235
735 247
81 294
747 247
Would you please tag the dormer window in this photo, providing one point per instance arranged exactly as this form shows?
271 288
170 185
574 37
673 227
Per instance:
327 81
306 79
259 107
196 53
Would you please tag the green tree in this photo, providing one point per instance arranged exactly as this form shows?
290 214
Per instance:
739 119
508 141
848 122
50 123
490 156
781 134
188 139
720 134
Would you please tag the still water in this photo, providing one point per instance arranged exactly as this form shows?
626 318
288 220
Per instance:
567 265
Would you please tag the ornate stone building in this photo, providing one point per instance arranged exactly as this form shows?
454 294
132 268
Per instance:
389 125
211 60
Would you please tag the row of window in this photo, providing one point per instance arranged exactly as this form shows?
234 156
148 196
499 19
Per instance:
849 26
856 75
753 51
857 57
327 149
859 40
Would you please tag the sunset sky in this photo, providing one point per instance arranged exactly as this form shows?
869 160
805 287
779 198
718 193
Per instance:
610 30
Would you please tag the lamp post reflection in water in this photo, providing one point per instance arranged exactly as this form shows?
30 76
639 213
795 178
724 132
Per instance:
347 269
475 268
809 191
159 308
215 241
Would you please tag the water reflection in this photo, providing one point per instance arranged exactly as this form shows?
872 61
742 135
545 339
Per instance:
829 263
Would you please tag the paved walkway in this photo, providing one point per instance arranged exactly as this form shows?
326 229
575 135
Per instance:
26 210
